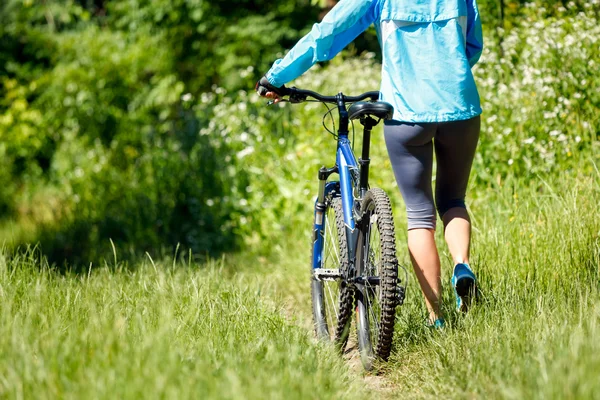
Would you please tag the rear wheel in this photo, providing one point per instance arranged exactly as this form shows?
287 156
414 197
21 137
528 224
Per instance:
332 298
377 278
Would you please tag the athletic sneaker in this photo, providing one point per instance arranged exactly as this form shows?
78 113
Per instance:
438 324
464 283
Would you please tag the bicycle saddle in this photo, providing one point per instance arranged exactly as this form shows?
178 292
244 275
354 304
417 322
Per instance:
379 109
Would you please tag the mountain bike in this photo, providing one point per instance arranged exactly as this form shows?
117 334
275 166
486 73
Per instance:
354 262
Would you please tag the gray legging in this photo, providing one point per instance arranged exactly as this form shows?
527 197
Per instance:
410 147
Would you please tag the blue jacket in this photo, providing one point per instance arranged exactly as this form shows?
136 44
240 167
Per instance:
428 48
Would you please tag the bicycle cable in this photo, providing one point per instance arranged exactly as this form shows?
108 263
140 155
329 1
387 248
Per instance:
353 134
330 113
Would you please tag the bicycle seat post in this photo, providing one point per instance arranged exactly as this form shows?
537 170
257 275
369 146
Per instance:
368 123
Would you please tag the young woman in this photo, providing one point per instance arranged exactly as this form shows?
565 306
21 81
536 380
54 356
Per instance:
428 49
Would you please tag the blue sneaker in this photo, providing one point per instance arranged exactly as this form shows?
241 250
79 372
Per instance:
438 324
464 283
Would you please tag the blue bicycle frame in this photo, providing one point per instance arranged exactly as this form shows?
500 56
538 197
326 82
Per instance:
353 184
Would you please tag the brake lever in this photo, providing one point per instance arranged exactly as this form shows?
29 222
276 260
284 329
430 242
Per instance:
271 102
297 98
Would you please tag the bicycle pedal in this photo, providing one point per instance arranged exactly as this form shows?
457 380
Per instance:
324 274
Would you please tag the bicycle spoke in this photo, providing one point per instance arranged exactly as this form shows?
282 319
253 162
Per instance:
328 312
332 323
331 297
373 312
333 244
331 260
331 247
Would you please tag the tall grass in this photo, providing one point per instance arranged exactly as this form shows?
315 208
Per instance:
533 334
241 327
159 331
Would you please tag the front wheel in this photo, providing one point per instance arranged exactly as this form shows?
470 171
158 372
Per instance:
377 278
332 297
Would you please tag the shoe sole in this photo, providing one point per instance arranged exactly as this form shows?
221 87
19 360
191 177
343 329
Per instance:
466 289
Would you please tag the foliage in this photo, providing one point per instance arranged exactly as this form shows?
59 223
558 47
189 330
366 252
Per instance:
216 42
100 106
540 98
507 14
125 120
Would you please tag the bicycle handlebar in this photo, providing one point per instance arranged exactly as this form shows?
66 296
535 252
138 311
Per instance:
299 95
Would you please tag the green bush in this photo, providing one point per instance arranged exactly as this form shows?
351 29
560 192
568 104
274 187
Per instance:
540 118
540 97
109 129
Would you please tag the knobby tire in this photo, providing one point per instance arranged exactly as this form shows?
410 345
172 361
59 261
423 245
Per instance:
375 321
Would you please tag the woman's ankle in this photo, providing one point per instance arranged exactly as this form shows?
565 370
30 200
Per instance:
434 316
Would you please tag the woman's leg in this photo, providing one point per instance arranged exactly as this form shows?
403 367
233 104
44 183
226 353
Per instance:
410 149
426 263
455 145
457 232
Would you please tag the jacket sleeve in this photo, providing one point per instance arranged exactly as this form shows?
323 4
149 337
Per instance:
474 33
340 26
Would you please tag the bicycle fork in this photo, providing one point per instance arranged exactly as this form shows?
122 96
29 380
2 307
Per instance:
325 188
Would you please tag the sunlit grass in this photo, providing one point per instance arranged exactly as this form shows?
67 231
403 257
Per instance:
536 250
157 331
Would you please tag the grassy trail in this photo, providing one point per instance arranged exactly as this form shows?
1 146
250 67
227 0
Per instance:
160 331
533 335
241 327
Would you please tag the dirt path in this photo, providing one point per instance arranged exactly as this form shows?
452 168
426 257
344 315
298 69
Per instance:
375 382
297 313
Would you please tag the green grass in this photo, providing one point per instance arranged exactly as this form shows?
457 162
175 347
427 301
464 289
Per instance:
241 327
534 334
159 331
536 250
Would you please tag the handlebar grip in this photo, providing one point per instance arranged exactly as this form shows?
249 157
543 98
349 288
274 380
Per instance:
263 86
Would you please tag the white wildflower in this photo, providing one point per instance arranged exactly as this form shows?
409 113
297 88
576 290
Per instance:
529 140
246 152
